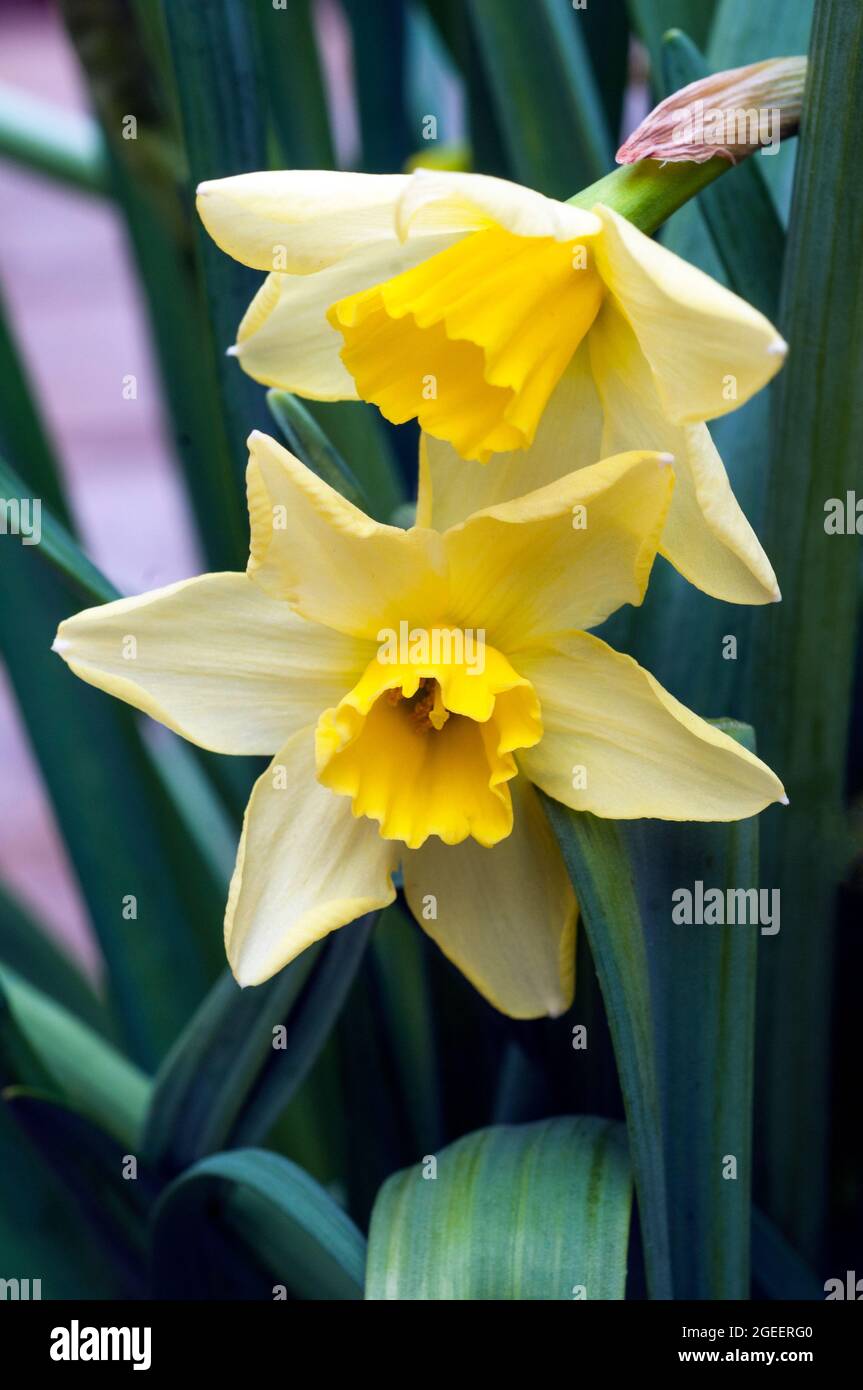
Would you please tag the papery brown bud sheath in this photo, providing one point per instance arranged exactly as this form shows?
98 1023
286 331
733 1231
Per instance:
730 113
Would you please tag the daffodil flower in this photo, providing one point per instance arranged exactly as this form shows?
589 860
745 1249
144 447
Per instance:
415 687
515 328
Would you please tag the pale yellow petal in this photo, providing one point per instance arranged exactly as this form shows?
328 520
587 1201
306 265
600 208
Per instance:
709 350
505 916
299 220
569 435
707 536
563 557
617 744
305 866
439 199
215 659
328 559
285 339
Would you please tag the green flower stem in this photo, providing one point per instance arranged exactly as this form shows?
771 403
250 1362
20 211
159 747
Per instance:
647 193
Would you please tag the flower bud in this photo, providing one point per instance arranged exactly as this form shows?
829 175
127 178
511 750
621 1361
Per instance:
728 113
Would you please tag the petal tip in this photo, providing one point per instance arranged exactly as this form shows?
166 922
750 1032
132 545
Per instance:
778 348
665 459
783 800
245 977
233 350
60 645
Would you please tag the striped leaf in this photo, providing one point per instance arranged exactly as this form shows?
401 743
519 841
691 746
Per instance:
536 1211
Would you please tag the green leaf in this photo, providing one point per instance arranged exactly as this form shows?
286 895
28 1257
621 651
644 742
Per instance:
778 1272
606 31
398 959
152 899
653 18
746 33
704 1015
535 1211
23 434
126 838
123 53
84 1069
297 1234
42 1234
224 127
362 436
27 948
805 646
56 544
681 1006
186 773
90 1164
544 93
378 35
596 858
229 1077
291 65
305 438
60 143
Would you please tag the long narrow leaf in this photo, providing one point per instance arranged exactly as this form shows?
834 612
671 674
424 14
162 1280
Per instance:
805 647
302 1240
23 434
378 34
224 128
596 857
152 899
653 18
123 56
545 93
234 1068
27 948
52 140
295 86
98 1175
85 1069
54 541
704 1015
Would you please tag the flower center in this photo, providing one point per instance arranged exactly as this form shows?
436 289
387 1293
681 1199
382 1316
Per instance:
424 742
473 341
427 708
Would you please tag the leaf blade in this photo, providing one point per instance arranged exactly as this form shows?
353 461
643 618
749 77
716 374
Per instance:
514 1212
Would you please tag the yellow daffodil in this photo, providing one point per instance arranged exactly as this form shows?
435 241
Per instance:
517 329
414 687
